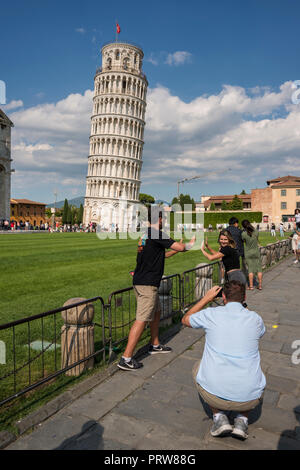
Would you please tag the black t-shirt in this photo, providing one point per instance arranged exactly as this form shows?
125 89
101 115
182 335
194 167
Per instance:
237 236
150 261
230 259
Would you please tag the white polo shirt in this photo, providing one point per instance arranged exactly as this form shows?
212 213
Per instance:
230 365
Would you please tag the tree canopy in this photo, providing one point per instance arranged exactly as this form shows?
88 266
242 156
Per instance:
236 204
146 199
224 206
183 200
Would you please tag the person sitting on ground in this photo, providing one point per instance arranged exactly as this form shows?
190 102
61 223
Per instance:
229 376
228 255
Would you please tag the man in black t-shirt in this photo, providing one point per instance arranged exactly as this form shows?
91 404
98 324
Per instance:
146 280
236 234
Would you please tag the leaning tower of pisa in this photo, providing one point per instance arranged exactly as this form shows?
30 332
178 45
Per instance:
116 140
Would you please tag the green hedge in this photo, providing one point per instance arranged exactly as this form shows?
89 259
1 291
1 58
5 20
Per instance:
220 217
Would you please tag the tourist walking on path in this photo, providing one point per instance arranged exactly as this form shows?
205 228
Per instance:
281 228
252 253
273 233
146 280
229 375
228 255
297 218
296 244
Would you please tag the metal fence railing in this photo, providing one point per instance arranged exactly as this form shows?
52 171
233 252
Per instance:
274 252
38 347
196 282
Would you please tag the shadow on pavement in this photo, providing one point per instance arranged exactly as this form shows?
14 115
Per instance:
90 438
291 433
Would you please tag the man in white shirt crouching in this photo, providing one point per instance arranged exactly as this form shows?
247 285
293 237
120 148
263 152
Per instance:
229 376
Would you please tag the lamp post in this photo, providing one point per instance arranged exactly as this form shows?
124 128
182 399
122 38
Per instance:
198 177
53 210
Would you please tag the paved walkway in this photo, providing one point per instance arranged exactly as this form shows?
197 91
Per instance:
158 406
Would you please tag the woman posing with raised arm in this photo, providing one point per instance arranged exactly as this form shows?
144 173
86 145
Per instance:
228 255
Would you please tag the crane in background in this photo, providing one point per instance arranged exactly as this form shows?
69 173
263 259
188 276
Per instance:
199 177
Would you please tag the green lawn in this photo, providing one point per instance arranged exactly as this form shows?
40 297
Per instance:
39 272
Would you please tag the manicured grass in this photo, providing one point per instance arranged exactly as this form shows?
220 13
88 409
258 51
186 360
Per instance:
39 272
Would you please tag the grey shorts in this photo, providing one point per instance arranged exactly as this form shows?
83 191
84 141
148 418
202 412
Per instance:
147 302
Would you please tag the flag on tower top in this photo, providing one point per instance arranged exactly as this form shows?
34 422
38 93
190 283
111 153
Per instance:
118 28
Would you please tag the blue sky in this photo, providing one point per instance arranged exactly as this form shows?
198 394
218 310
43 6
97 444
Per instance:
252 47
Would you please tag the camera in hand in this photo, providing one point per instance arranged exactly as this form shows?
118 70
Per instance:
219 294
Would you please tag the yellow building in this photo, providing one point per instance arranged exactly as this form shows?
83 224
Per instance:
279 200
24 210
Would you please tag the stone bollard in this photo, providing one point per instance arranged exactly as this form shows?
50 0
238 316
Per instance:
272 249
269 254
77 336
263 256
286 247
166 300
203 280
277 251
282 249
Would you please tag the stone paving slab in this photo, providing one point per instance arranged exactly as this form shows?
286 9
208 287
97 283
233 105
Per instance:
289 402
260 439
50 434
269 359
158 407
270 345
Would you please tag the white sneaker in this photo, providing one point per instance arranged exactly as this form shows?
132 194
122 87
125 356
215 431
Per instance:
221 426
296 261
240 429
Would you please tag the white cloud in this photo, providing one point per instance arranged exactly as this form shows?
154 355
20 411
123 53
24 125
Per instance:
80 30
14 104
230 129
256 134
178 58
152 59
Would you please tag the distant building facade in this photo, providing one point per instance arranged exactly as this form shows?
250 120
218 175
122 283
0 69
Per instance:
277 201
25 210
217 200
5 165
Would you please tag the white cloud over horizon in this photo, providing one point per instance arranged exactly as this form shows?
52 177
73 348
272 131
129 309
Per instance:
178 58
167 58
14 104
254 132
